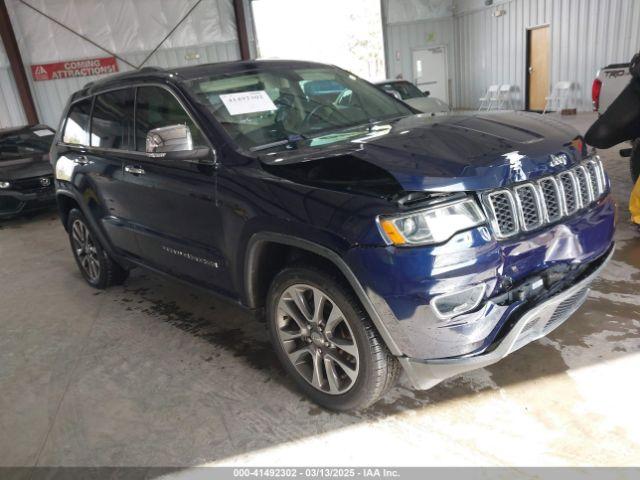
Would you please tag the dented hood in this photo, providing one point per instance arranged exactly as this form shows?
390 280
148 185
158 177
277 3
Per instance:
449 154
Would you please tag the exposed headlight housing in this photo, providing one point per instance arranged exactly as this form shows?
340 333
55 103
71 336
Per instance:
432 225
451 304
5 185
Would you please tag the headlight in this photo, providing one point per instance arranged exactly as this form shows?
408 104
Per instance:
4 185
433 225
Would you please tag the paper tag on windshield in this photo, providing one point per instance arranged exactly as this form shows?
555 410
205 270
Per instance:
43 133
247 102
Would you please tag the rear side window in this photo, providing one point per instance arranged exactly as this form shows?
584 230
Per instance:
155 108
112 120
76 128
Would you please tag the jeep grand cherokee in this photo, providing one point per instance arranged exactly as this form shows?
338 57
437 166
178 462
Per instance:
374 239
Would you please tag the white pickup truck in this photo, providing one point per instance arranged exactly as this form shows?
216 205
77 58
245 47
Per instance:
608 84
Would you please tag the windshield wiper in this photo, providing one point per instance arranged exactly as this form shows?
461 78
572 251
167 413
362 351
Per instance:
290 140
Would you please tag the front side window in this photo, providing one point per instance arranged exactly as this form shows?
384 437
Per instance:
156 108
76 128
272 103
112 121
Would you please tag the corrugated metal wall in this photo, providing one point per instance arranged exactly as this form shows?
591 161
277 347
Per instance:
585 36
403 38
127 27
11 113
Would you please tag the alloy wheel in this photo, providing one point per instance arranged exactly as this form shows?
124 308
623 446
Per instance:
85 249
317 339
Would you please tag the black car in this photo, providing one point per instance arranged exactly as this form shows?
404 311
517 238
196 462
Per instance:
26 177
371 237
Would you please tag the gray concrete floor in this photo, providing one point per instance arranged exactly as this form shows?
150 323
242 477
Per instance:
157 374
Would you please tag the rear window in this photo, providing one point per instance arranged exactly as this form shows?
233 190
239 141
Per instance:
25 143
76 128
112 121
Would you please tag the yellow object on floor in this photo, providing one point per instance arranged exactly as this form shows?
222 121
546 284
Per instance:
634 203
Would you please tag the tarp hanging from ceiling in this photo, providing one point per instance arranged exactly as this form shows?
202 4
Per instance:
121 26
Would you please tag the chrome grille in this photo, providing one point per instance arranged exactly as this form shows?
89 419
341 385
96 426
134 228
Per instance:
530 205
584 185
551 198
569 185
503 210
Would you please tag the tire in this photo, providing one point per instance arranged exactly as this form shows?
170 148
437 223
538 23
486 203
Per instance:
345 338
96 266
634 161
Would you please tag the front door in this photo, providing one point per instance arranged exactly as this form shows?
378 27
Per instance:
173 202
430 72
538 68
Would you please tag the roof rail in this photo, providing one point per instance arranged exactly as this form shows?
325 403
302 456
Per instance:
151 69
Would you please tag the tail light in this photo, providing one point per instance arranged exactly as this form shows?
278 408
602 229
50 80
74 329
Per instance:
595 93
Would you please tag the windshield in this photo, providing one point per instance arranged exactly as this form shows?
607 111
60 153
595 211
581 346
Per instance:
406 90
271 106
25 143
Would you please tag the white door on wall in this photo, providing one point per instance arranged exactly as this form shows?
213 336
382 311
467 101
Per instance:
430 71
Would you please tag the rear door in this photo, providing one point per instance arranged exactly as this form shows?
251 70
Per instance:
173 203
95 173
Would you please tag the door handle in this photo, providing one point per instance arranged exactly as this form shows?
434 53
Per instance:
81 160
134 170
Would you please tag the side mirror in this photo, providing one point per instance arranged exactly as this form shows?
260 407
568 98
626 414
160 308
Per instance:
426 93
175 143
174 138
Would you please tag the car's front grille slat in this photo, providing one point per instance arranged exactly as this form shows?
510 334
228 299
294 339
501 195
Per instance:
503 211
530 205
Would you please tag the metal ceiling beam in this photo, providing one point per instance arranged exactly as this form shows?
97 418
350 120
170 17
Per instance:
241 25
17 67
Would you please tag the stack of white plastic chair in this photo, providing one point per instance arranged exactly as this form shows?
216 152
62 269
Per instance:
563 96
490 98
507 97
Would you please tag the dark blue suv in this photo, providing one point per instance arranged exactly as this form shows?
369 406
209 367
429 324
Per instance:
372 238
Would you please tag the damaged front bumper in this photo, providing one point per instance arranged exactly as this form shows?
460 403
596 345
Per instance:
534 323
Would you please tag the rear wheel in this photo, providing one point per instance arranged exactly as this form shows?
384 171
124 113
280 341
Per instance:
95 264
326 341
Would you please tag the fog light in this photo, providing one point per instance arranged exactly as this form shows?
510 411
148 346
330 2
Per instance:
452 304
5 185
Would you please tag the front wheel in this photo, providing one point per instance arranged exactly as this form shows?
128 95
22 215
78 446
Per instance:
326 341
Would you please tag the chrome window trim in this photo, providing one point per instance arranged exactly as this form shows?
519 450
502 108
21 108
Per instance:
133 86
492 213
536 198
